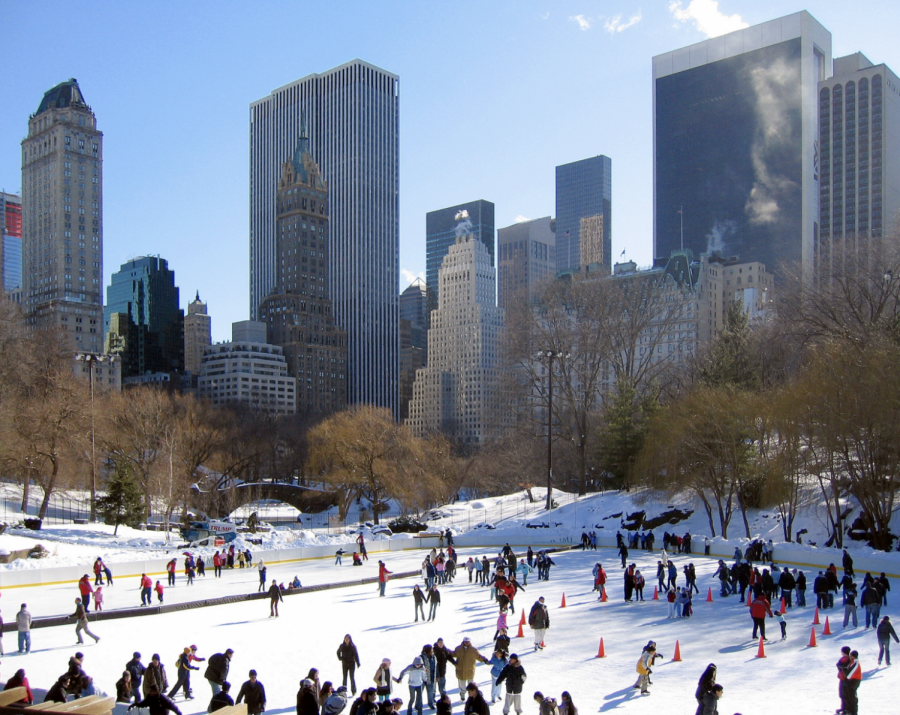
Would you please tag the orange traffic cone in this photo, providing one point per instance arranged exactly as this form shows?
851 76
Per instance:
761 653
749 600
812 638
655 593
604 599
816 617
709 595
783 605
522 620
520 634
542 645
827 631
563 605
601 653
677 657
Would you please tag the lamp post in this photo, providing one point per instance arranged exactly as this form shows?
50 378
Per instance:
91 360
550 356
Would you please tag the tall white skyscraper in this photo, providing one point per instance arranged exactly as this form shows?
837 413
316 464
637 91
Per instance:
458 393
352 116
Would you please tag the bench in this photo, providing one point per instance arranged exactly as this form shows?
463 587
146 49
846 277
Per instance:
13 695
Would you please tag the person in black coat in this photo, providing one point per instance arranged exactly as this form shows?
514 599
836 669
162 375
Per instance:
349 657
136 669
57 693
442 654
217 669
307 702
419 601
254 693
475 703
444 705
514 675
365 704
222 699
157 703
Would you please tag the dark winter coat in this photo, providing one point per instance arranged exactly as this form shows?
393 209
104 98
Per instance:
431 666
419 596
158 704
155 675
307 704
502 643
255 696
801 581
348 654
56 694
136 668
217 668
709 705
444 708
885 631
477 705
539 618
870 596
220 700
442 654
787 581
820 585
515 678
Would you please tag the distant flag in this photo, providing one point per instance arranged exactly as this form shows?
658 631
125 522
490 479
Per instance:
679 210
623 252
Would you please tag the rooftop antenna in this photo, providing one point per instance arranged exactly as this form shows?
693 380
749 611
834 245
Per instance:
681 218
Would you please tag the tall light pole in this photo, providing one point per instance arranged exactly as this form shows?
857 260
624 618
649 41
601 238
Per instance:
550 356
91 360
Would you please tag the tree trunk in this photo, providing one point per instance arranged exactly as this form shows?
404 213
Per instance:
26 488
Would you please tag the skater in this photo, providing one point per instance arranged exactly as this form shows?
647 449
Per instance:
274 598
850 606
851 670
146 589
98 572
419 601
98 600
566 706
108 575
136 670
801 588
184 675
84 587
498 662
349 657
20 681
201 567
599 580
884 633
418 679
645 667
442 654
57 693
261 567
23 626
539 620
705 684
336 702
361 540
384 681
515 677
159 591
523 570
434 600
709 704
157 703
254 693
779 617
81 622
124 690
546 706
307 702
337 556
155 676
431 671
383 574
759 609
638 586
475 704
623 553
170 569
466 657
217 670
222 699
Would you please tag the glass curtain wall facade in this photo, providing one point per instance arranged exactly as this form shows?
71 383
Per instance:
352 115
735 142
440 234
11 233
584 203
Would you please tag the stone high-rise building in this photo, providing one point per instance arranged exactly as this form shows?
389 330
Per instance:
298 313
62 218
458 393
527 259
859 161
197 335
352 113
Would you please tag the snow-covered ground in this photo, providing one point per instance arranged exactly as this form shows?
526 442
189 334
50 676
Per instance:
792 678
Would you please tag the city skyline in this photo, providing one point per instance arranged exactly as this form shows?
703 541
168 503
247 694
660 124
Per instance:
191 169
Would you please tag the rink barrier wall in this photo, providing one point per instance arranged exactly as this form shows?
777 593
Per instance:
115 614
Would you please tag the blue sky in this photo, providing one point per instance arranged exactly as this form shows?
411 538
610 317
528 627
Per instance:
493 95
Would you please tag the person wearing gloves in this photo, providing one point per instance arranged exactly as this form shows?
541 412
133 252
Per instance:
498 663
466 657
418 679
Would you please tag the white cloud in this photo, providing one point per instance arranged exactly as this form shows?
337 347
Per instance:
409 276
545 16
521 219
615 24
707 17
583 22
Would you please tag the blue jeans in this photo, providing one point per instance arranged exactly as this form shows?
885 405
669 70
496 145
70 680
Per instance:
432 610
381 586
442 685
25 641
415 699
216 688
801 598
429 691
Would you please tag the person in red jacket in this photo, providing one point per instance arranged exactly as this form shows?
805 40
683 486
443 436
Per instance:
146 590
20 681
851 670
170 568
98 571
84 587
759 608
217 564
382 577
159 591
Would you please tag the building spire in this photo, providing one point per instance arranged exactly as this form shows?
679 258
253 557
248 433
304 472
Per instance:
302 146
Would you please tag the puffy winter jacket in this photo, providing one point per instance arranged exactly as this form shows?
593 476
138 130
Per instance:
885 631
417 675
515 678
466 656
336 703
759 608
539 618
217 668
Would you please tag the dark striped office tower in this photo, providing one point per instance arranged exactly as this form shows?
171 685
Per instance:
352 115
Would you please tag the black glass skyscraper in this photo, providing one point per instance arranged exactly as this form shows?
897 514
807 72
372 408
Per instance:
584 213
440 230
735 153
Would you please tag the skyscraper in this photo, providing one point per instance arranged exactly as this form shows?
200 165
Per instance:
584 214
197 335
143 322
440 234
11 246
527 259
62 218
735 129
352 114
859 161
413 340
458 393
298 313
